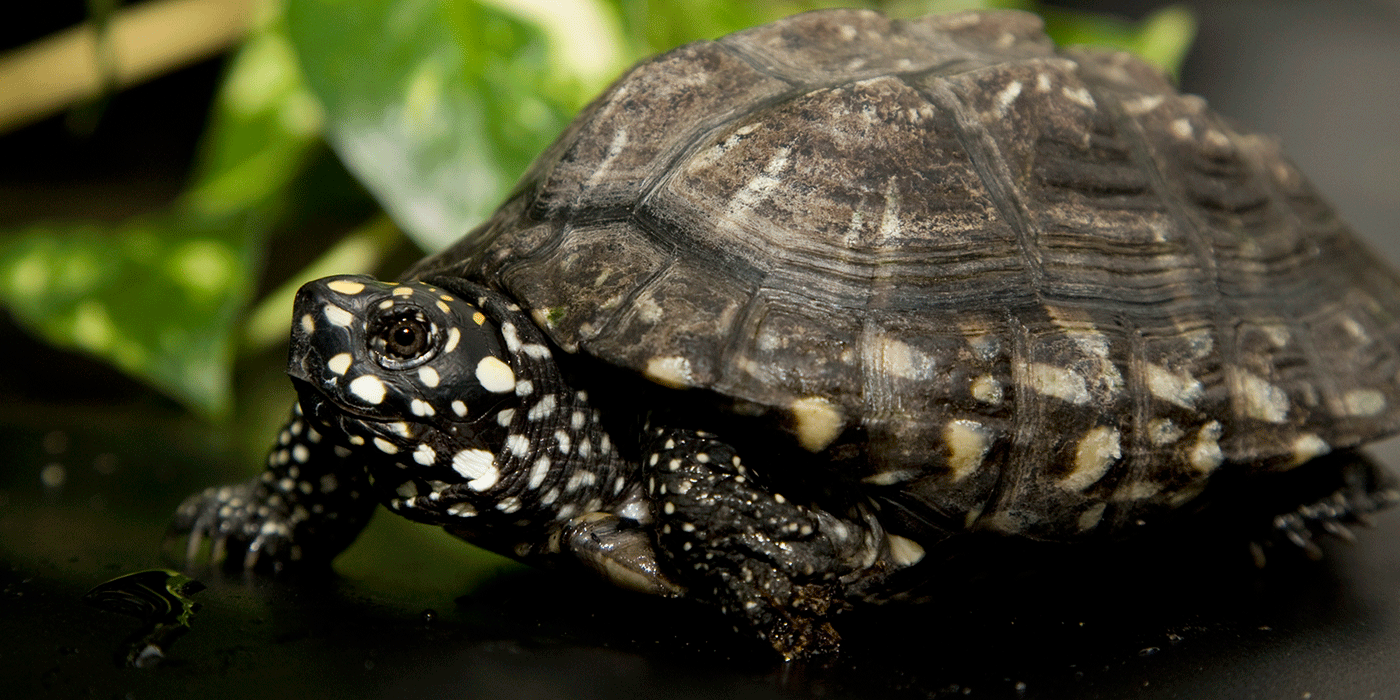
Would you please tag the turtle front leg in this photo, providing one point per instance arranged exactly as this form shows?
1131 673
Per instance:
308 506
780 567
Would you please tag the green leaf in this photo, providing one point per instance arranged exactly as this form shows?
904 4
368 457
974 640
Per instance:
160 296
438 106
1162 38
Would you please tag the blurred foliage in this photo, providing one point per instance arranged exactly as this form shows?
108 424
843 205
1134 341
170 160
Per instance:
435 105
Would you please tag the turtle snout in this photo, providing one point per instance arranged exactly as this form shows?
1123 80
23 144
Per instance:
327 316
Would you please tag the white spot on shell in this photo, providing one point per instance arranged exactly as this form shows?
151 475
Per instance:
345 286
1205 455
1181 128
1263 400
340 363
671 371
967 446
368 387
818 422
1308 446
1080 96
1180 389
479 466
1091 516
495 376
1059 382
1364 402
987 390
1095 453
1007 96
1161 431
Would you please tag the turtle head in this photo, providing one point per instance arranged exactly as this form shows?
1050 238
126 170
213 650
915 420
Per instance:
395 366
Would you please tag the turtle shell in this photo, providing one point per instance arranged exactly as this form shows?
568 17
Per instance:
1027 288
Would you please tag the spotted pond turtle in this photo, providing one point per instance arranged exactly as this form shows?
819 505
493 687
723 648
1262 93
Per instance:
783 315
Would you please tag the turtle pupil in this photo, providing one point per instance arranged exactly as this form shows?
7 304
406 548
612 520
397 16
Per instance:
407 338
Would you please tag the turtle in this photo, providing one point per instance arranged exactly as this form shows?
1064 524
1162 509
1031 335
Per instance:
783 316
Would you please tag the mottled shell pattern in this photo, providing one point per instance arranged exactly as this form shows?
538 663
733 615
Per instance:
1023 288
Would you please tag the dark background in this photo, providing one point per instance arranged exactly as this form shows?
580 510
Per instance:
1188 623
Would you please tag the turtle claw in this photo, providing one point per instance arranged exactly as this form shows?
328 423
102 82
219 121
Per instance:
234 519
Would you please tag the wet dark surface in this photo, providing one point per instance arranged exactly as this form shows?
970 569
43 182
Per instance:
89 476
1191 620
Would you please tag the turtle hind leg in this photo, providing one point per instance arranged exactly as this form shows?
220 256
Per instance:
776 567
1360 487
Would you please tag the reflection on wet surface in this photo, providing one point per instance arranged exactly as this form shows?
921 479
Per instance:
410 616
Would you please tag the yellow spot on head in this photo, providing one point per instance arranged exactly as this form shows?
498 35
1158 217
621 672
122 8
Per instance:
479 318
403 291
818 422
345 286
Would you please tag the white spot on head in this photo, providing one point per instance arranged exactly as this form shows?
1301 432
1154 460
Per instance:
1364 402
454 336
308 324
495 376
368 387
385 446
428 376
536 351
519 445
459 408
524 387
818 422
421 408
504 417
340 363
1059 382
672 371
338 316
461 510
479 466
967 447
1095 453
345 286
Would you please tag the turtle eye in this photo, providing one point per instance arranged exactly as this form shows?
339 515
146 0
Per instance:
406 338
403 340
